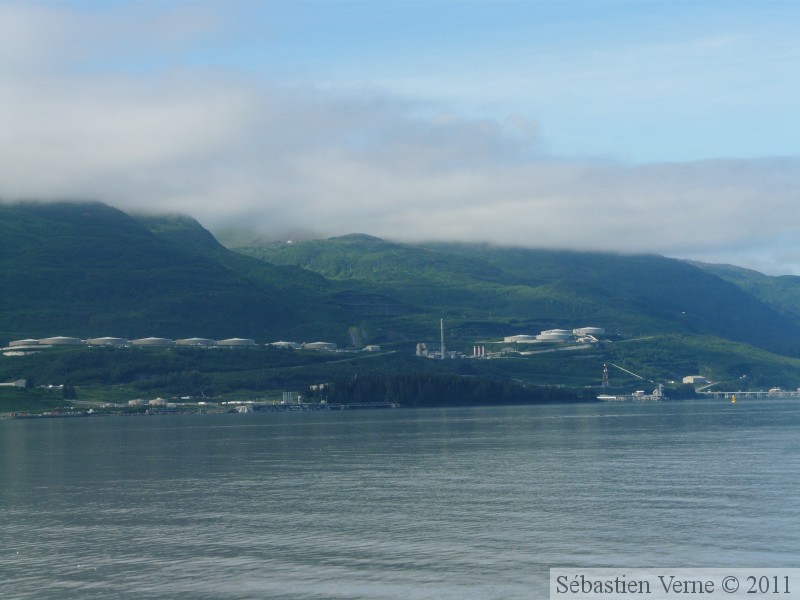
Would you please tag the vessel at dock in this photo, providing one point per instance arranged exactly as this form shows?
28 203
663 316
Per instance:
637 396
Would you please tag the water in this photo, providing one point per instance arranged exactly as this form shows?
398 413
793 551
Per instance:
411 504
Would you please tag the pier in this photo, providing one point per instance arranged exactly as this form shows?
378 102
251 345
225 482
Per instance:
772 393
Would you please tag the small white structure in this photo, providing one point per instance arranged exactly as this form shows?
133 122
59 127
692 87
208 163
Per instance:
236 342
582 331
109 341
372 348
520 339
695 379
196 342
157 402
292 345
319 346
136 402
153 341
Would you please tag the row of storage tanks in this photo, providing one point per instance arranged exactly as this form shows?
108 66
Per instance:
156 341
115 341
556 335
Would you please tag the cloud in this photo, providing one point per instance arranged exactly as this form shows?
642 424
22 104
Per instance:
235 150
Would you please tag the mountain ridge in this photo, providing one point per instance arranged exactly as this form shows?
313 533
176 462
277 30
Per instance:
632 293
89 270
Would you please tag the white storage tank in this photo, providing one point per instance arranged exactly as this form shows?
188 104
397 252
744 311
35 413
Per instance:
23 343
236 342
196 342
61 340
153 341
554 335
109 341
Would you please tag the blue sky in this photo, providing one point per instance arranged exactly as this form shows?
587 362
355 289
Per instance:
634 126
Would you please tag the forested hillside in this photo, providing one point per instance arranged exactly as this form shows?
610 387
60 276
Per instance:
88 270
489 290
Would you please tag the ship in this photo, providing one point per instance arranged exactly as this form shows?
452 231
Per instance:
637 396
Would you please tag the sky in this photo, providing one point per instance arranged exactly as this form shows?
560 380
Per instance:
666 127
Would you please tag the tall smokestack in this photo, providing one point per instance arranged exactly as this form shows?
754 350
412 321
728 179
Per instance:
441 325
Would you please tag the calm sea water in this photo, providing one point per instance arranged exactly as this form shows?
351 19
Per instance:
458 503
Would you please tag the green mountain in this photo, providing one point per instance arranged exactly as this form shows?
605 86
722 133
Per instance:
90 270
488 290
782 293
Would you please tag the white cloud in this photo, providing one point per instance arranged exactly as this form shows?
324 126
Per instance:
231 150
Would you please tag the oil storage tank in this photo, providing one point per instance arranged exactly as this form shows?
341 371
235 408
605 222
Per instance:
61 340
109 341
196 342
153 341
236 343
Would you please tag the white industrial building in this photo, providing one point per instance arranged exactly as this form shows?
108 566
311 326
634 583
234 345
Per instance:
292 345
319 346
519 339
583 331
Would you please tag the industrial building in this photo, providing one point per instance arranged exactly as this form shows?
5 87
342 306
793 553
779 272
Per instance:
292 345
319 346
588 331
